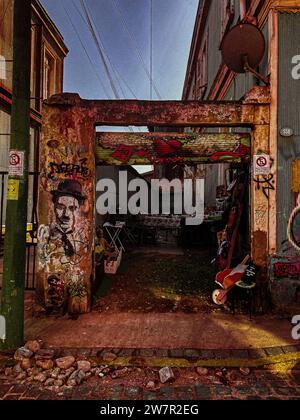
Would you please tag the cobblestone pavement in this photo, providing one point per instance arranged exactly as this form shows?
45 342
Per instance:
258 385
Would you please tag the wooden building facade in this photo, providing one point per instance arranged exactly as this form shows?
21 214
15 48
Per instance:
208 78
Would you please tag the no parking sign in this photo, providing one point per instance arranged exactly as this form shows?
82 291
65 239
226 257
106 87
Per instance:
16 163
262 165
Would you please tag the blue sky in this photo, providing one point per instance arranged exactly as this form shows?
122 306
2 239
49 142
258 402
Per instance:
124 29
173 22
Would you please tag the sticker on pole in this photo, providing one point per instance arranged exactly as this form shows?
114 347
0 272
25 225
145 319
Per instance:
262 165
13 189
16 163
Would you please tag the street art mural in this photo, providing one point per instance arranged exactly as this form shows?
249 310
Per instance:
66 209
294 227
163 148
62 241
69 155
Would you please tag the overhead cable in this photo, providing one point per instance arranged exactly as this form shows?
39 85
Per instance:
115 70
134 45
86 52
98 45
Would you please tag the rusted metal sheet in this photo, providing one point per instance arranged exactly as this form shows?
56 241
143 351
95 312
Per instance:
161 148
164 113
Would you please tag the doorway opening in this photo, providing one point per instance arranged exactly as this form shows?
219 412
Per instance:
158 262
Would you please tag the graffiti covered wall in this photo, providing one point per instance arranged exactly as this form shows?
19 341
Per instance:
66 209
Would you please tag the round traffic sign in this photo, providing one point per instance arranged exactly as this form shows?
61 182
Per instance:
14 159
261 162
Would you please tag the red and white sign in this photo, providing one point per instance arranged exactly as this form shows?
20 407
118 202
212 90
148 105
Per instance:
16 163
262 165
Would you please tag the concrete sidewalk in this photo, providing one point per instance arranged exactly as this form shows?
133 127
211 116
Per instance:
161 331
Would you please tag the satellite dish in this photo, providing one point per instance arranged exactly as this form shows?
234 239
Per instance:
243 48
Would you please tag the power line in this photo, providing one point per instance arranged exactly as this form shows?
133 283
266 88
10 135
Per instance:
86 52
98 45
115 70
134 45
151 49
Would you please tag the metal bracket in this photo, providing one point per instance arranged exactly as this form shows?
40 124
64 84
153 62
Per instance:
259 76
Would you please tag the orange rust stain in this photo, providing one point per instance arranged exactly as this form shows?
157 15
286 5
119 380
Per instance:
260 248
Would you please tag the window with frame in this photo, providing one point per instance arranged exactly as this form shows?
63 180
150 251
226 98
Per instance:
33 67
48 75
6 43
228 13
202 71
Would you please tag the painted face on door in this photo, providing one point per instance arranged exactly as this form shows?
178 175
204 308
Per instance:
67 213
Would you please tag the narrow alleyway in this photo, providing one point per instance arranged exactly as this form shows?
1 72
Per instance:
166 281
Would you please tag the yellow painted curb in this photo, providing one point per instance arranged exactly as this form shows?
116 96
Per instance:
214 363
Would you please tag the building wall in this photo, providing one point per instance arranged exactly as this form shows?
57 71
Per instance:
285 267
46 41
281 29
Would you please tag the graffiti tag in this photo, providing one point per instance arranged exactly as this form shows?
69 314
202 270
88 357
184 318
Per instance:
266 184
260 214
287 269
69 169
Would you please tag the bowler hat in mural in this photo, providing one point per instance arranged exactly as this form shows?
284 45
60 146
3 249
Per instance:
70 188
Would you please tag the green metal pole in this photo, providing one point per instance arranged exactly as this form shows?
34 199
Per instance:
12 304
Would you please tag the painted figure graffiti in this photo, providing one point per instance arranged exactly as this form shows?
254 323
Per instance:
64 239
294 227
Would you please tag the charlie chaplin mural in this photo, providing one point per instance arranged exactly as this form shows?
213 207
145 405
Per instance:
64 239
67 200
63 243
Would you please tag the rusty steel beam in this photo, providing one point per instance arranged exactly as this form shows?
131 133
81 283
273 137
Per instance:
165 113
159 148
